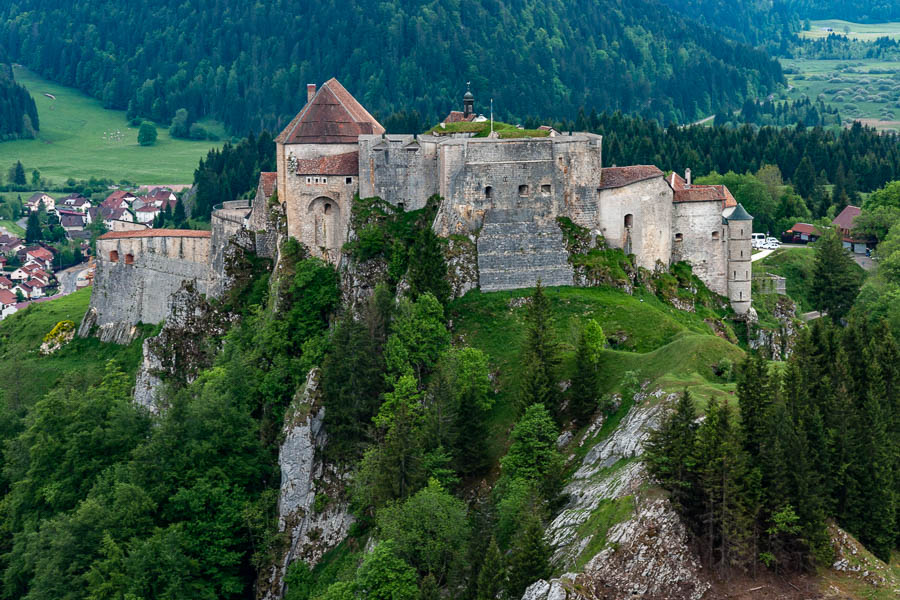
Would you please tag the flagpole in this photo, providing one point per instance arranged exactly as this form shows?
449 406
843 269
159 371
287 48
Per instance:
492 116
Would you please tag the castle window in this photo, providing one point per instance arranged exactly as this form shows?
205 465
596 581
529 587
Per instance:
523 190
735 275
488 192
740 295
629 222
679 237
309 180
545 189
316 180
715 235
742 232
113 256
327 208
349 180
401 206
324 180
742 254
129 259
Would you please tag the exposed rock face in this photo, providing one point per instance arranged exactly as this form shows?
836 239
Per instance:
117 332
462 265
358 280
187 343
646 555
779 342
311 508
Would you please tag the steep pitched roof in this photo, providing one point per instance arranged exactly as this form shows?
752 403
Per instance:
699 193
739 214
7 298
616 177
333 116
847 216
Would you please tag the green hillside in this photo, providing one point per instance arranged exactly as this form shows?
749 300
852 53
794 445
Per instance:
73 141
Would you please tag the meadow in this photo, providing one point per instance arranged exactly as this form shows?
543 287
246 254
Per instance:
75 141
862 90
857 31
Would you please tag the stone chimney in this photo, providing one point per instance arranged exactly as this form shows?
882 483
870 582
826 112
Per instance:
687 177
310 91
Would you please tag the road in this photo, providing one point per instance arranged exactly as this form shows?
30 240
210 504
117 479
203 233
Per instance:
68 278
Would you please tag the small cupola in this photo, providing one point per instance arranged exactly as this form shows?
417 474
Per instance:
468 102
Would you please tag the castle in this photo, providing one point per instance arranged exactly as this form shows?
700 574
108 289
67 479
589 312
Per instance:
505 194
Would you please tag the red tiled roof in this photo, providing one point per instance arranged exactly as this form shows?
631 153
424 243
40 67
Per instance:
333 116
185 233
7 297
805 228
267 180
116 197
41 253
847 216
5 282
149 208
616 177
34 283
699 193
338 164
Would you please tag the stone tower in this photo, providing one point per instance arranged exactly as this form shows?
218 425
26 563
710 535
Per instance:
317 156
740 226
468 104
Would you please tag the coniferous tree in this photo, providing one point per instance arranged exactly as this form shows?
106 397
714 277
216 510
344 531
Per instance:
33 232
805 178
540 358
178 215
529 558
834 282
427 268
18 174
585 381
669 452
492 576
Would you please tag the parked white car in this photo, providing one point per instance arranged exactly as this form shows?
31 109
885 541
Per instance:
770 244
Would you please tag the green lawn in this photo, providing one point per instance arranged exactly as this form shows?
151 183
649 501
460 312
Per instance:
25 375
862 90
71 142
12 228
859 31
669 347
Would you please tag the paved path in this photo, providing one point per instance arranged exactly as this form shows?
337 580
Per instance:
864 261
760 255
809 316
68 278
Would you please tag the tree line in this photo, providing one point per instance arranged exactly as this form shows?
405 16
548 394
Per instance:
816 439
247 65
18 113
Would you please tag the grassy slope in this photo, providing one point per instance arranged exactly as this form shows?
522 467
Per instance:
70 142
794 264
25 376
858 31
670 347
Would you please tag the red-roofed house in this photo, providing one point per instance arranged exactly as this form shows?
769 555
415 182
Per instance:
8 301
118 199
39 254
801 233
40 198
37 288
844 222
6 283
146 213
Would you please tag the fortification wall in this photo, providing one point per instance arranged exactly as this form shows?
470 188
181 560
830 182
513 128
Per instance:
704 242
136 276
647 206
398 169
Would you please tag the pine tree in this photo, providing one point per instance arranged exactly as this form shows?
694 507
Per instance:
33 232
669 452
18 174
529 558
755 392
585 382
540 358
427 268
805 178
491 577
835 283
179 216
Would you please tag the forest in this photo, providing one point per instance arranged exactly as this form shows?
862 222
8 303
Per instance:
248 64
18 114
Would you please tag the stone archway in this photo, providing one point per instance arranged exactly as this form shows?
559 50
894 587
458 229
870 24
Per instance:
325 218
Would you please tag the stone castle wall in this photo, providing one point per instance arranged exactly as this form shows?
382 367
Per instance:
648 203
699 223
398 168
136 276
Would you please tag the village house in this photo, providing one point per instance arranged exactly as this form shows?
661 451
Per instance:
118 199
39 255
146 213
6 283
844 222
801 233
75 202
71 220
40 198
117 214
37 288
8 301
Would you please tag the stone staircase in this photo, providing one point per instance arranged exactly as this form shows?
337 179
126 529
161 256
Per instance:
515 250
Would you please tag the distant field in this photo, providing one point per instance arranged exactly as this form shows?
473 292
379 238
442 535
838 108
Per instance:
859 31
862 90
71 141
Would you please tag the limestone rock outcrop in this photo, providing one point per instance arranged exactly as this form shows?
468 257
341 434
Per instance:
312 512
